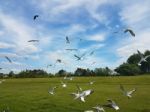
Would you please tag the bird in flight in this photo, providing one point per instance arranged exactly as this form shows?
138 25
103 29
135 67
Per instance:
79 57
51 90
112 104
67 40
127 93
99 108
83 94
130 31
33 41
71 49
143 59
8 59
35 17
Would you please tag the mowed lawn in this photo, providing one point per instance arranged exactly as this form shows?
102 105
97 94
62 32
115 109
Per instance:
31 95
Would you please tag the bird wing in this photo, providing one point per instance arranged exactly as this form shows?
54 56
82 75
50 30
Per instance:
130 92
67 40
122 88
141 55
8 59
79 88
132 33
147 56
77 57
82 99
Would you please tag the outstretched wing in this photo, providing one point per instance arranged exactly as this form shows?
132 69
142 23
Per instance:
8 59
130 92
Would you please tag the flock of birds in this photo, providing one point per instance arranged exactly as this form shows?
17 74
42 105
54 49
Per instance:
81 95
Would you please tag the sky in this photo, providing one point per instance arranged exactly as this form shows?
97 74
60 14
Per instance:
89 24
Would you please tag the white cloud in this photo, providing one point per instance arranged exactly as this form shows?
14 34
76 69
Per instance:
97 37
4 45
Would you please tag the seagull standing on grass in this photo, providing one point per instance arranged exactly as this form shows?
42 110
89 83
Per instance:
143 59
112 104
127 93
51 90
99 108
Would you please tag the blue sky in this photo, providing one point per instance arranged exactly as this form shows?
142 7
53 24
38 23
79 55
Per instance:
92 21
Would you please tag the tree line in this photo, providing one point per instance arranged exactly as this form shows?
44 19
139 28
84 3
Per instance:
128 68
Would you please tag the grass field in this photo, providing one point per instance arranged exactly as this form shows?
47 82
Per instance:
31 95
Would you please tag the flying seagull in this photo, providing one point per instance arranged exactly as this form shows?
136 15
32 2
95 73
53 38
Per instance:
83 94
8 59
112 104
143 59
72 49
33 41
79 57
49 65
67 40
99 108
35 17
127 93
59 60
51 90
130 31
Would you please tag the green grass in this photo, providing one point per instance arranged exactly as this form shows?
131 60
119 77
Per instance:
31 95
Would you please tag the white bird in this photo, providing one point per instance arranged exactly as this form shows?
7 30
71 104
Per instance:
143 59
99 108
127 93
82 95
51 90
64 85
112 104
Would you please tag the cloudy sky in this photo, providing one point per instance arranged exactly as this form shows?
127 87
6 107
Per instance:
89 24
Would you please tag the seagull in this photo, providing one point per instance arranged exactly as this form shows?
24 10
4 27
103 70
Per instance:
72 49
51 90
79 57
83 94
59 60
67 40
33 41
64 85
91 82
8 59
35 16
127 93
99 108
112 104
130 31
143 59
